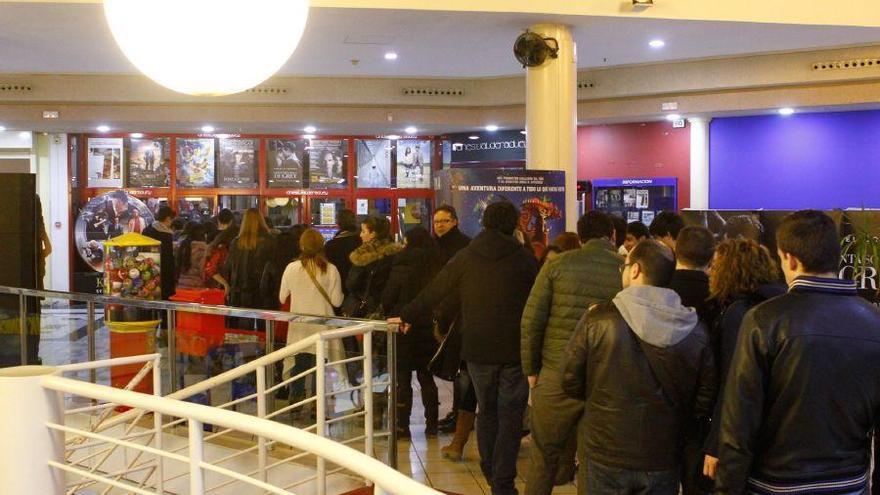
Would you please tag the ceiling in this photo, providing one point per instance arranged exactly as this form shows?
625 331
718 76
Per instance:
74 38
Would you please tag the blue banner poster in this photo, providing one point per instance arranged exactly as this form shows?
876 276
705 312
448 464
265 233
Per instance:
539 196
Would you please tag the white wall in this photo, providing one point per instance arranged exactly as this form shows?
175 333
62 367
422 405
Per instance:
52 186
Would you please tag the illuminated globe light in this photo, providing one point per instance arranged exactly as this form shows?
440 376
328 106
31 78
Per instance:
208 47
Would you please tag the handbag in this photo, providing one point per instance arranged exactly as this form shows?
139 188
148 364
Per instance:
445 362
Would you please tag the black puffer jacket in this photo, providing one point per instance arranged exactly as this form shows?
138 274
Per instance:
494 275
802 392
644 365
413 270
370 268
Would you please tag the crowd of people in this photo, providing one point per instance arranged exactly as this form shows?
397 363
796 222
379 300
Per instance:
651 360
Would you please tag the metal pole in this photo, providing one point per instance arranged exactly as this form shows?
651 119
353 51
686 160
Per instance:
392 398
172 352
270 377
22 327
261 413
368 393
320 398
196 455
90 337
157 425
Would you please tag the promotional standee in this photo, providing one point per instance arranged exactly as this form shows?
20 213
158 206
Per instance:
131 270
635 200
538 194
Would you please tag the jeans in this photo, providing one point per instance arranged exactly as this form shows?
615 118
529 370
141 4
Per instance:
502 394
607 480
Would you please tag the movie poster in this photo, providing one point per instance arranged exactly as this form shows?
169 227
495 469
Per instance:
195 163
374 163
413 164
328 164
237 163
105 162
286 161
148 163
539 195
106 217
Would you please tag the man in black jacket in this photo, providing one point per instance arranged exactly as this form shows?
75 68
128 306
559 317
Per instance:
346 240
644 365
449 239
160 230
694 248
494 275
802 392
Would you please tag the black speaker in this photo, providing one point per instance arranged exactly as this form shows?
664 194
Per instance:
584 187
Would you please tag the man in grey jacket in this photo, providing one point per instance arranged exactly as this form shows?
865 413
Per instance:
564 289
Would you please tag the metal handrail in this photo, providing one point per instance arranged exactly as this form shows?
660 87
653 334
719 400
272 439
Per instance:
386 479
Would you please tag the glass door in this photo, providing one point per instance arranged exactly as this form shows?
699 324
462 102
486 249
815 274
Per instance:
285 211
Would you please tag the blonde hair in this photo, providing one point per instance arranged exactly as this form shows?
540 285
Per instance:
252 227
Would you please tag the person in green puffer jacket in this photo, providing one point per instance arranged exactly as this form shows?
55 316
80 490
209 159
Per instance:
566 287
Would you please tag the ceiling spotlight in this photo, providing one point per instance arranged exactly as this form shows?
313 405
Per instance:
393 137
657 44
137 135
207 129
310 129
492 128
411 130
474 137
103 128
672 117
785 112
2 128
308 136
24 134
642 3
523 132
391 56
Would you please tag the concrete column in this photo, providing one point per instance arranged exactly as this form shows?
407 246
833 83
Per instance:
28 444
551 114
56 214
699 162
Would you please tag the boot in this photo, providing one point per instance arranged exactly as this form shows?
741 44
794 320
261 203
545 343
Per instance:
463 427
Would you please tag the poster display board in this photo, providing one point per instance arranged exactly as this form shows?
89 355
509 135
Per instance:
328 163
237 165
635 200
195 163
105 217
105 162
539 195
414 164
148 163
373 163
286 161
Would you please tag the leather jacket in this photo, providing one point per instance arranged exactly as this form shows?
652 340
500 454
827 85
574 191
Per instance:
803 390
638 407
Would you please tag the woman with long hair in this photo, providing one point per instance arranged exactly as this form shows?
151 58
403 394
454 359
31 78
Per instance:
742 275
191 253
414 268
371 266
248 256
218 252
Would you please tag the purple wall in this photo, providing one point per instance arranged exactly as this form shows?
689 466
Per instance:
819 160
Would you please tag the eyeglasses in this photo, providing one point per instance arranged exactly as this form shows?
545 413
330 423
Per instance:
442 221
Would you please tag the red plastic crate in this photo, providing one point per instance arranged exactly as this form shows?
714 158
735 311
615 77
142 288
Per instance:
196 322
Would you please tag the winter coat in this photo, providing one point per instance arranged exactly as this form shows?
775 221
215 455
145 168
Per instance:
338 251
565 288
371 267
194 277
451 243
164 235
412 271
692 286
645 368
246 269
493 275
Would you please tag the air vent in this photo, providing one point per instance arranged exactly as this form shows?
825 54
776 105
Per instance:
857 63
15 88
586 84
260 90
433 92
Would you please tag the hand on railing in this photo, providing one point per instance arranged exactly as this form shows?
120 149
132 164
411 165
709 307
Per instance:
404 327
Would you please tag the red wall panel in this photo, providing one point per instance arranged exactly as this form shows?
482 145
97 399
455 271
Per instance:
636 150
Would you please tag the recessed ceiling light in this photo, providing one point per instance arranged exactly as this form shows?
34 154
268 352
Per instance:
523 132
786 111
657 44
393 137
308 136
474 137
391 56
411 130
24 135
310 129
103 128
491 128
137 135
207 129
672 117
2 128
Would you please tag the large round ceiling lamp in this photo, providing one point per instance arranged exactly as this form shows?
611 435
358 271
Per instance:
207 47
